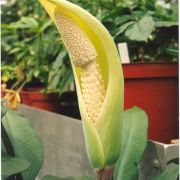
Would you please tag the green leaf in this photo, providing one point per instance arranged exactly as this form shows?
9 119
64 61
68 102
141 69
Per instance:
141 29
49 177
45 26
67 79
171 173
122 19
172 51
134 140
15 50
11 166
59 60
165 23
25 142
123 28
25 22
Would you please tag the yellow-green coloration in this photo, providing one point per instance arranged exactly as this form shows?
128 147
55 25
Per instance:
98 77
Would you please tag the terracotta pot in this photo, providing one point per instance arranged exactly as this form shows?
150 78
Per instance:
33 97
154 88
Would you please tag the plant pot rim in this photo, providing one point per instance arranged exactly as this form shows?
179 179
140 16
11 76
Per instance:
150 70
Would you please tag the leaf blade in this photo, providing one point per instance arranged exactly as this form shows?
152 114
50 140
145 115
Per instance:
141 30
11 166
25 142
171 172
133 143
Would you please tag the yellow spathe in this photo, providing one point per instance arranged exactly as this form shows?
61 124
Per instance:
98 77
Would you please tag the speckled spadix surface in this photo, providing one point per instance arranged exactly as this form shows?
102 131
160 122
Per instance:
98 77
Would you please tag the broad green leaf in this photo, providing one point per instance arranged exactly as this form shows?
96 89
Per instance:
10 165
171 173
141 29
49 177
165 23
25 142
134 140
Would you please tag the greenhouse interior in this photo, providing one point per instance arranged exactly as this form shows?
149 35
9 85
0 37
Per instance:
89 90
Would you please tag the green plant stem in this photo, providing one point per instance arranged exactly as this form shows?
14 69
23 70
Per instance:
105 173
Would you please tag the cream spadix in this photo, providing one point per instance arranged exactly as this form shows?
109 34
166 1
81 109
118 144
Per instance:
98 77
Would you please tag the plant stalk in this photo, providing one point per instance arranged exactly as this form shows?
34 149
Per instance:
105 173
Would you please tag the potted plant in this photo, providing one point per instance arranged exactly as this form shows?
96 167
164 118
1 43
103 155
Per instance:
151 32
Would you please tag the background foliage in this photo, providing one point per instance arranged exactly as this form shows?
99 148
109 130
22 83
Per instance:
32 49
148 26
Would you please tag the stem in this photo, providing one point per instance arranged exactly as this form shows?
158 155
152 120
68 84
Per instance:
105 174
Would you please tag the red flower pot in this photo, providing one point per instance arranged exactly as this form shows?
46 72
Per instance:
154 88
33 97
